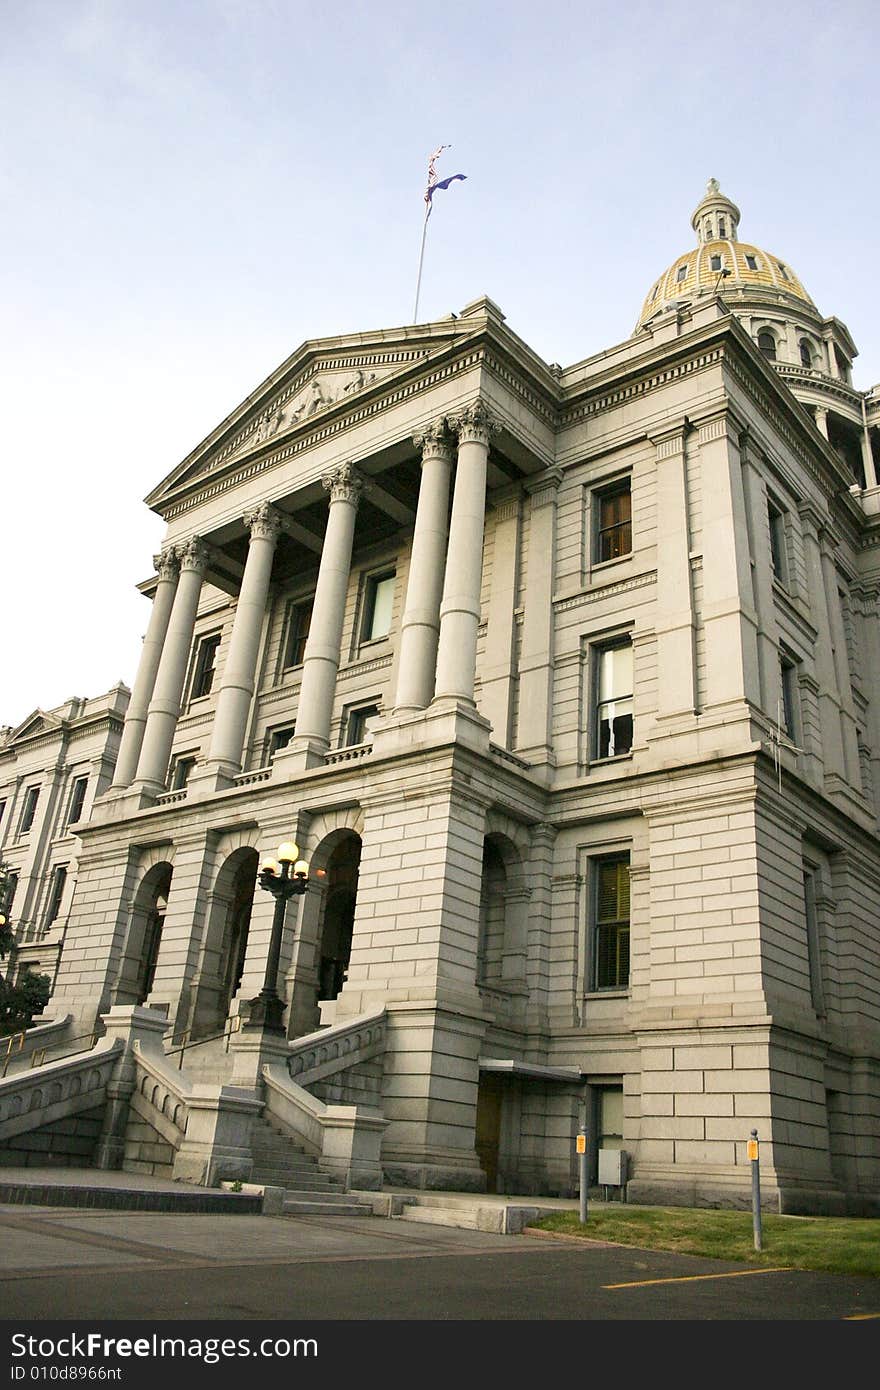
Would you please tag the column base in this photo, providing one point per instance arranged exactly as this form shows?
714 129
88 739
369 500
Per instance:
443 722
212 777
300 755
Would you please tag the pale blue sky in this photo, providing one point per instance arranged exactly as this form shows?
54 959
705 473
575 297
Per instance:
189 190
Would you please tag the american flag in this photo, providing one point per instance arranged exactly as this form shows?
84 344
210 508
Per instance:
433 182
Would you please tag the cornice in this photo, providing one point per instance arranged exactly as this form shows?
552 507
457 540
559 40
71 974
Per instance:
647 380
638 581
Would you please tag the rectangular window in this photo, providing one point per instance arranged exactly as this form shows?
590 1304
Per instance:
2 811
681 273
776 518
181 769
751 262
610 934
358 727
53 907
378 597
77 800
7 892
788 704
614 700
278 739
299 618
714 262
203 675
613 521
29 810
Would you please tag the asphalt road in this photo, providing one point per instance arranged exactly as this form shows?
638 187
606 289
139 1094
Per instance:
238 1276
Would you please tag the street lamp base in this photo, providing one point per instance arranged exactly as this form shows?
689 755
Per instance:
267 1012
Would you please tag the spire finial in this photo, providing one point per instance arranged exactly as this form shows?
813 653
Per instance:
713 186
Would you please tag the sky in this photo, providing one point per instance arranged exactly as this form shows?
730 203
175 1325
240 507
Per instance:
190 189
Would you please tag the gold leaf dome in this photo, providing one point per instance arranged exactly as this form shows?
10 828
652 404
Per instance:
721 263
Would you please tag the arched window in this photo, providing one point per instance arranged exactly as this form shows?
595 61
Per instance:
806 354
767 344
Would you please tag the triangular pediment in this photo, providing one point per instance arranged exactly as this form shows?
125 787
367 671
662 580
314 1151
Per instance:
39 722
323 378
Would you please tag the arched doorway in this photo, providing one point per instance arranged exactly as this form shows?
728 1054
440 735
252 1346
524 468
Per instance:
223 958
137 970
237 926
339 904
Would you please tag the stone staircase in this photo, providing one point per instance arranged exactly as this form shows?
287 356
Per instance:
280 1162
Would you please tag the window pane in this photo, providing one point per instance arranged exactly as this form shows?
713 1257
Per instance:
379 612
297 633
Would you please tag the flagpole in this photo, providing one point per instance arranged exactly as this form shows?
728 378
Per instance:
421 259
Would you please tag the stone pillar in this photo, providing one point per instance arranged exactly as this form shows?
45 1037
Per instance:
833 761
239 671
729 618
312 734
460 606
767 637
867 453
840 655
421 614
821 415
533 737
676 676
164 708
497 667
168 569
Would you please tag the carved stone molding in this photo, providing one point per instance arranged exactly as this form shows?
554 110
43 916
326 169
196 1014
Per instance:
193 555
475 424
263 522
166 563
344 484
435 440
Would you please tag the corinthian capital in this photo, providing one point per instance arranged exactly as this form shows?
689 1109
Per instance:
263 522
193 555
344 484
166 563
474 424
435 440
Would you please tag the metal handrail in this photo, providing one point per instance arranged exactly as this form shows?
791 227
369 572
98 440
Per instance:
10 1048
40 1054
231 1026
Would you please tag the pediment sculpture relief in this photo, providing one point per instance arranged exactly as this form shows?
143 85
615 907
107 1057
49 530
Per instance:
318 395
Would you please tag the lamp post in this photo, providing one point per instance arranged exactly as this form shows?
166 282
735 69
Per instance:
284 877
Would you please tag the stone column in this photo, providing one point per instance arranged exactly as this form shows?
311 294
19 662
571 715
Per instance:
833 759
840 657
675 622
497 678
460 606
821 415
168 569
534 717
164 707
239 672
312 735
421 615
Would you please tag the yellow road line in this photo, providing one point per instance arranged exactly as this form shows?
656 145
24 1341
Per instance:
695 1278
860 1317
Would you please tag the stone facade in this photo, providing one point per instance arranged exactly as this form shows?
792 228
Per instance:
564 681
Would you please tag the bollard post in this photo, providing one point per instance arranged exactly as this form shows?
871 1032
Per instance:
756 1188
582 1165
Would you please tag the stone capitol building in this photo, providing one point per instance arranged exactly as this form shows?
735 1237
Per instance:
565 682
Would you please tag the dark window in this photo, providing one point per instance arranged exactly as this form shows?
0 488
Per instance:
203 676
299 618
180 772
722 227
32 796
8 895
782 270
77 799
377 606
614 700
776 518
751 262
278 739
767 344
359 725
53 907
714 262
610 953
614 522
681 273
814 942
806 354
2 811
788 680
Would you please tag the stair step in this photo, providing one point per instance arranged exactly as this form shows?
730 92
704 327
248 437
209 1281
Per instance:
444 1216
270 1177
303 1207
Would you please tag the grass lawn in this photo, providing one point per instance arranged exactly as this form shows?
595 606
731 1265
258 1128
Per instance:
837 1245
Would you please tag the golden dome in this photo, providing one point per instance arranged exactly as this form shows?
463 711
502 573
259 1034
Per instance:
720 262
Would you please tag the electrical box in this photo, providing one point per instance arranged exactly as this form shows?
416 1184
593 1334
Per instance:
612 1168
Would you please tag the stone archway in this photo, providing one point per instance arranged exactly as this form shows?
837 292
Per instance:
323 948
222 964
501 942
138 965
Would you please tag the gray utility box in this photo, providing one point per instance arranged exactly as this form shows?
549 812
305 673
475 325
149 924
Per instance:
612 1168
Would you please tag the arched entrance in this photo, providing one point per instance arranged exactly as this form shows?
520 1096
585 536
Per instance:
222 964
336 930
138 966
